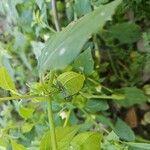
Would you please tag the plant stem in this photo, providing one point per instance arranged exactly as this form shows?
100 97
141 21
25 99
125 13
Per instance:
55 15
113 96
50 116
67 119
2 99
52 126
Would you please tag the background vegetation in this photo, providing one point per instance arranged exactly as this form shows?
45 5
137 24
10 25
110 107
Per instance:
76 77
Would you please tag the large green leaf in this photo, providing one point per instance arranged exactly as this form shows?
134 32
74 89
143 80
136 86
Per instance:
63 136
62 48
5 80
71 81
86 141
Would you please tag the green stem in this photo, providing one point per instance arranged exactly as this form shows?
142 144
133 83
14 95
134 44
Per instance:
50 116
68 117
113 96
52 126
2 99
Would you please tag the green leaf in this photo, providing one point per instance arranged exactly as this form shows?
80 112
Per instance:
45 143
94 105
5 80
86 141
84 62
62 48
27 127
125 32
26 112
133 96
82 7
141 146
16 146
63 137
124 131
71 81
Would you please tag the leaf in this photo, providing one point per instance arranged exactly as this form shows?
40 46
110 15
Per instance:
62 48
26 112
27 127
82 7
71 81
45 143
16 146
94 105
124 131
5 80
125 32
84 62
142 146
133 96
63 137
86 141
37 48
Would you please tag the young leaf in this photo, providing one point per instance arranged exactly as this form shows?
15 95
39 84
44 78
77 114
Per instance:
86 141
5 80
124 131
26 112
71 81
16 146
62 48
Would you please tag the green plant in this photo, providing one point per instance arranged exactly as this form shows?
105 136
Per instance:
67 105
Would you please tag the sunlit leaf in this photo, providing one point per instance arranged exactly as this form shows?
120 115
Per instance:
26 112
5 80
16 146
63 136
86 141
71 81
